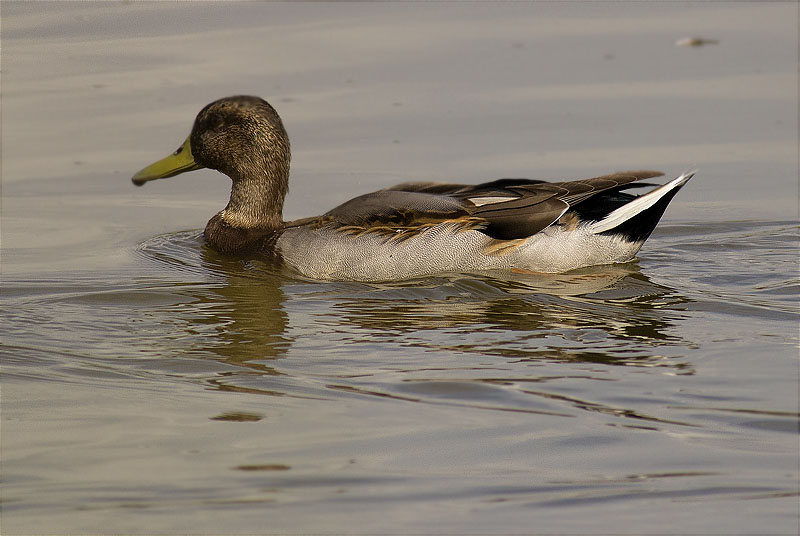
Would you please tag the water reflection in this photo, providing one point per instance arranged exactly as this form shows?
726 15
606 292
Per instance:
247 313
227 311
609 314
251 315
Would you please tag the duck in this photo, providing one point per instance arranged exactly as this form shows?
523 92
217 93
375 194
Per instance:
413 229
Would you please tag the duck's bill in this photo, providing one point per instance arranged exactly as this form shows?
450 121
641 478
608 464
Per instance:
178 162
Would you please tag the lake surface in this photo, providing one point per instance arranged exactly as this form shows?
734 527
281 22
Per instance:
152 386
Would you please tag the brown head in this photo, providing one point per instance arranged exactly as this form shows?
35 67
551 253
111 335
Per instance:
244 138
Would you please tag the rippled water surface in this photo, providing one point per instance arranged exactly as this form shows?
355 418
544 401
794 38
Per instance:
152 386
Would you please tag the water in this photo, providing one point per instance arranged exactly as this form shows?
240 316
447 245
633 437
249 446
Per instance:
151 386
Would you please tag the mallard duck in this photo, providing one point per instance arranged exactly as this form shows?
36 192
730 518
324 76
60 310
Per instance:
411 229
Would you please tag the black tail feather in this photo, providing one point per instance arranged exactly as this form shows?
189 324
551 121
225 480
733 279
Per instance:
639 227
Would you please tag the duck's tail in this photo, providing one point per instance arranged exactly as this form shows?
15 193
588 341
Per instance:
637 219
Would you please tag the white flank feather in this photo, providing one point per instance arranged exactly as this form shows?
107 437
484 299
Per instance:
638 205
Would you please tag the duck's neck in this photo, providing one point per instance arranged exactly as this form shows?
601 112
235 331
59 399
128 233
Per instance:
256 203
254 210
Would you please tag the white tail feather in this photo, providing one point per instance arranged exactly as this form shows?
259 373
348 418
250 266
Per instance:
638 205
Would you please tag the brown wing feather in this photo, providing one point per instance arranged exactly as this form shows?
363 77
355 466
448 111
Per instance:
439 188
539 205
399 208
522 217
583 189
531 205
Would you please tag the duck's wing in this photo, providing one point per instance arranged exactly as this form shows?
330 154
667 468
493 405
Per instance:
518 208
449 188
504 209
397 209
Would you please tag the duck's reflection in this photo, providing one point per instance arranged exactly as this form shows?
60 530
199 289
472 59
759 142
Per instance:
247 312
248 316
609 314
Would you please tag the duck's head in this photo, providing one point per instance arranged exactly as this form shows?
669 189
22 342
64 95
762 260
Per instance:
243 137
240 136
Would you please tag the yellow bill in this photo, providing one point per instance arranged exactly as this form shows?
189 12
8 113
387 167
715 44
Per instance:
178 162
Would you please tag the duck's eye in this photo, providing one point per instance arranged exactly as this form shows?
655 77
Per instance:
212 123
217 123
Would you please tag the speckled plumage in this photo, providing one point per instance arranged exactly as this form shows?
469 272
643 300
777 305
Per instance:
327 253
411 229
